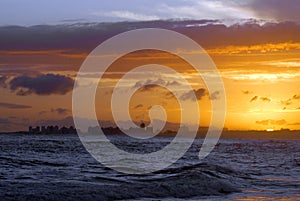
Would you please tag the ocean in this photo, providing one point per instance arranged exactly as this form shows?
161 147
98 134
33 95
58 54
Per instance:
57 167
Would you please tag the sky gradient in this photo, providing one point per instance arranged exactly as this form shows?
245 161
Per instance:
254 44
31 12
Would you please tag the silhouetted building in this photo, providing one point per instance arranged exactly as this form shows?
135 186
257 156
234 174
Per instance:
51 130
56 129
43 130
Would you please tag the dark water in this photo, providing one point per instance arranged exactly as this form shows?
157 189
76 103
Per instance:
41 167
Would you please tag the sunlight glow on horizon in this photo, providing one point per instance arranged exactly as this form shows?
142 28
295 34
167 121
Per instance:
261 76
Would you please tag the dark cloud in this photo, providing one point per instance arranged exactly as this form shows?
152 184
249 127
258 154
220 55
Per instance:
265 99
170 95
289 101
173 83
42 112
61 111
286 102
85 37
4 121
254 98
278 122
215 95
13 123
138 106
13 117
263 122
3 81
287 10
246 92
20 119
149 87
271 122
45 84
199 93
14 106
150 82
23 92
74 20
294 124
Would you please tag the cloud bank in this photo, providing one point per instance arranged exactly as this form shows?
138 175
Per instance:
14 106
41 85
271 122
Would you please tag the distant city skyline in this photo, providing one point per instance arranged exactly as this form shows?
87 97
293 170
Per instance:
254 44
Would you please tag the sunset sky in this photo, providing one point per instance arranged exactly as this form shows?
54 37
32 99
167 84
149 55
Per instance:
254 44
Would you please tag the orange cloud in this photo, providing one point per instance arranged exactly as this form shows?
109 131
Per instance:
256 49
271 122
265 99
254 98
58 53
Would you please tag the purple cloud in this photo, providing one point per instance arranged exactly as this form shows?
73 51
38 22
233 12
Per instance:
41 85
199 93
14 106
3 80
215 95
61 111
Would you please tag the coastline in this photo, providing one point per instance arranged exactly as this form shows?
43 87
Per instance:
226 134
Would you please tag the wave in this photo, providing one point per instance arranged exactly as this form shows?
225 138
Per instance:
11 161
183 182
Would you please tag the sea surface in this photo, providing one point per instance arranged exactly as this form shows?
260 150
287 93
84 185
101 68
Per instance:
57 167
